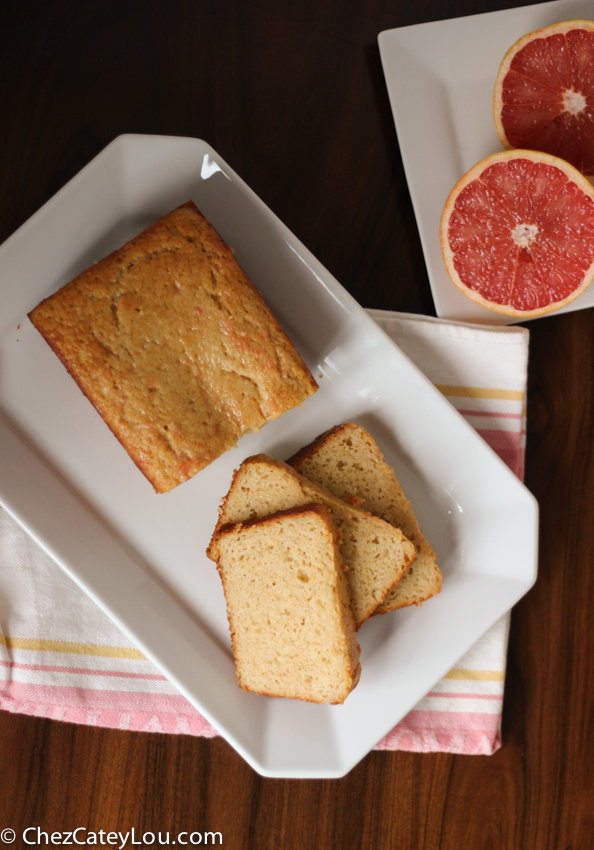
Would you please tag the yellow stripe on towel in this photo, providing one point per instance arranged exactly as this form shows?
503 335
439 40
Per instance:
71 648
476 675
480 392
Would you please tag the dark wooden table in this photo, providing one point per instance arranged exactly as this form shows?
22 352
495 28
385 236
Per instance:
292 95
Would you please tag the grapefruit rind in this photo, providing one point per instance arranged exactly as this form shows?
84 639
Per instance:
561 28
448 254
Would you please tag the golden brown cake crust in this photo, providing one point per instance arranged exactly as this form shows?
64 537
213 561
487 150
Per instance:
175 348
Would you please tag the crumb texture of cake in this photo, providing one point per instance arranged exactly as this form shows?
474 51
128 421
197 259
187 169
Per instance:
347 461
375 553
175 348
288 608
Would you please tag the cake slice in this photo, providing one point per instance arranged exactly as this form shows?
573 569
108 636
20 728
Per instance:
375 553
174 347
347 461
288 606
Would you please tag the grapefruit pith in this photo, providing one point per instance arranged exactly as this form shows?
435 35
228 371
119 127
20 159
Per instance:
517 233
544 94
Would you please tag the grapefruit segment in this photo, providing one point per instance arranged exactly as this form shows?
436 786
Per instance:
517 233
544 94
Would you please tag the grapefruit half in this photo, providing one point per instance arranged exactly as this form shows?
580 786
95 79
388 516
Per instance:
544 94
517 233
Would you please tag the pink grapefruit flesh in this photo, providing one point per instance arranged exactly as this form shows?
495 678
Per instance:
544 94
517 233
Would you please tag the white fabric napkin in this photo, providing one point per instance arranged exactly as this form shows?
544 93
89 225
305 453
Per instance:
61 657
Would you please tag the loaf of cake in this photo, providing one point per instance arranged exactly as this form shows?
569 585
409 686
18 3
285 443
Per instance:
174 347
375 553
347 461
288 608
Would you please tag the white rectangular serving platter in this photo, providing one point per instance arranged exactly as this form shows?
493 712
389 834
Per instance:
440 78
141 556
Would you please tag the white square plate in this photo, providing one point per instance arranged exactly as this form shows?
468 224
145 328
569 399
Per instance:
141 556
440 79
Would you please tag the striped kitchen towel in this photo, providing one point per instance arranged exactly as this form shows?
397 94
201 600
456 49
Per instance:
62 658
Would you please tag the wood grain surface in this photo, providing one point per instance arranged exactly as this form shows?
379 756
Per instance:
292 95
